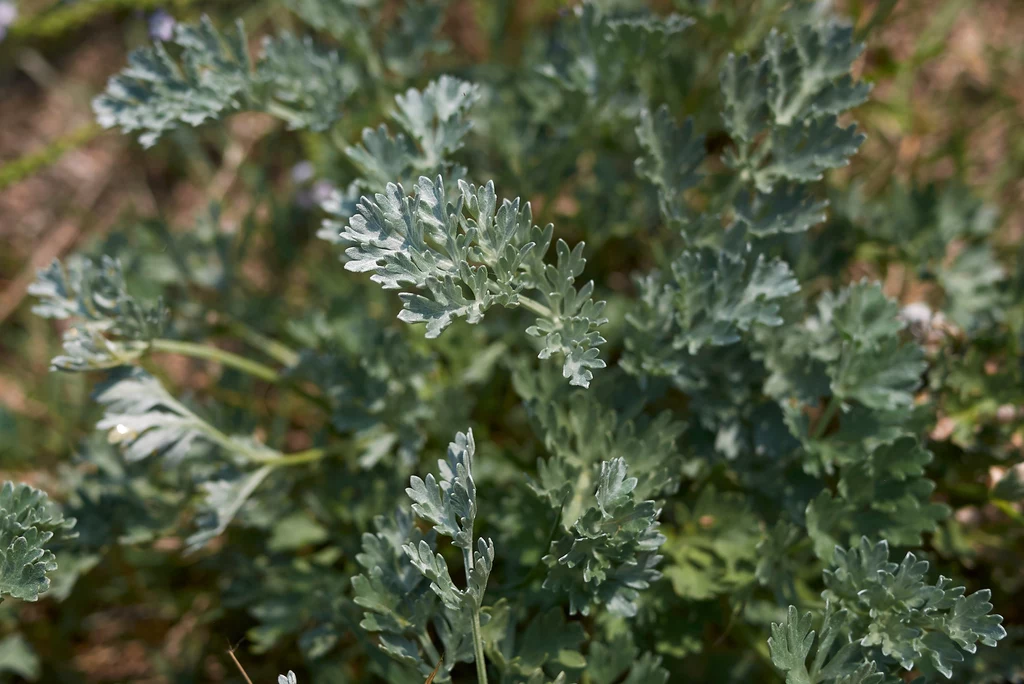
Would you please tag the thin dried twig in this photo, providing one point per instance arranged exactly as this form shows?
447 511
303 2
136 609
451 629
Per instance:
437 668
231 652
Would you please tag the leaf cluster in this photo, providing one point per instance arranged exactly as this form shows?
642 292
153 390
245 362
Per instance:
744 409
28 523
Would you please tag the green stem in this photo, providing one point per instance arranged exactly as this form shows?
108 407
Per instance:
478 642
535 307
297 458
269 458
826 417
478 650
253 368
527 303
278 351
429 647
215 435
211 353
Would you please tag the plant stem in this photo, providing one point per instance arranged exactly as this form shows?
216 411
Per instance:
535 307
267 458
297 458
527 303
826 417
285 113
214 434
478 642
478 650
428 646
278 351
253 368
211 353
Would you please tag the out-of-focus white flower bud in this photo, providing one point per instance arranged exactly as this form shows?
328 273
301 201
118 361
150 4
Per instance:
917 314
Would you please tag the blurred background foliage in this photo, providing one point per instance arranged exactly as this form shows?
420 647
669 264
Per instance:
943 168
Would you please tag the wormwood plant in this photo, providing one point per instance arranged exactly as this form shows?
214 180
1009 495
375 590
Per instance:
731 447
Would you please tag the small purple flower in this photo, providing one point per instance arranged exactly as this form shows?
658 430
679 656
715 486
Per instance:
322 191
161 26
8 13
302 172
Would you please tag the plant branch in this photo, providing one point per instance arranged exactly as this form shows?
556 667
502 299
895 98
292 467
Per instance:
478 642
297 458
265 457
253 368
278 351
211 353
478 650
535 307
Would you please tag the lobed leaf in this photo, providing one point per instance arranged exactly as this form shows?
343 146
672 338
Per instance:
672 158
112 328
444 248
214 77
609 553
893 608
28 522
